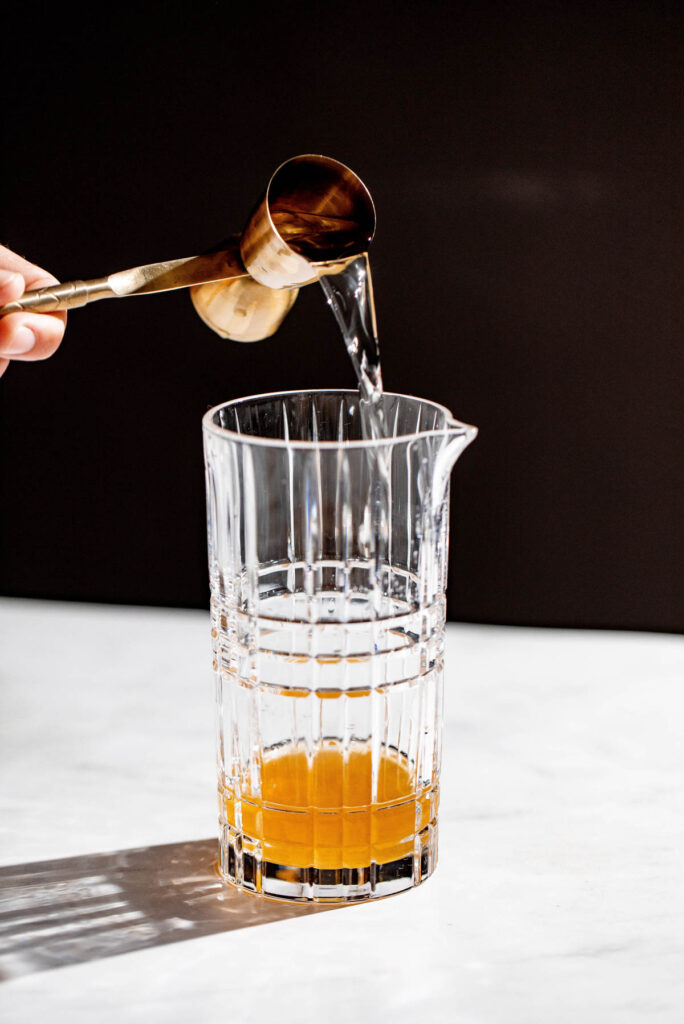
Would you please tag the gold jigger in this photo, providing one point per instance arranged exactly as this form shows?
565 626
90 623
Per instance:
314 218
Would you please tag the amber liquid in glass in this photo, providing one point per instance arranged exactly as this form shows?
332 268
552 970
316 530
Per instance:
326 810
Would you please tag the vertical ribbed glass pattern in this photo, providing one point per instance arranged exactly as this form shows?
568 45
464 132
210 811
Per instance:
327 560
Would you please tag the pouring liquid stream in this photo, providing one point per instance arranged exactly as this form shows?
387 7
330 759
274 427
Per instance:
349 294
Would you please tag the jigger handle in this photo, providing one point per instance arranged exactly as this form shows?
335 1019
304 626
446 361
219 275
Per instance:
68 295
222 265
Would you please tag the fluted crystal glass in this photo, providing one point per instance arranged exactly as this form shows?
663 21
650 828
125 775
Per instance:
328 556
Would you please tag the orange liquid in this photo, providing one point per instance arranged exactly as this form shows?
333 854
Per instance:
321 813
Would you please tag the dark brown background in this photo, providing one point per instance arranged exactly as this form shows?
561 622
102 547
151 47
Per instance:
524 160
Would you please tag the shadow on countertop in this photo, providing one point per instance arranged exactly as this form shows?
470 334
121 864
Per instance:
71 911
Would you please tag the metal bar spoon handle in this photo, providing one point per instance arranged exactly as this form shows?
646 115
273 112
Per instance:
68 295
153 277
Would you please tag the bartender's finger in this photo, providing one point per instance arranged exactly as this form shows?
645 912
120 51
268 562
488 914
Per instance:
30 336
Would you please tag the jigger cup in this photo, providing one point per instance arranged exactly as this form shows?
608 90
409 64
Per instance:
315 216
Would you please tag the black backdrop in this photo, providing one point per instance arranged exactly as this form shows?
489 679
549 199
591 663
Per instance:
524 162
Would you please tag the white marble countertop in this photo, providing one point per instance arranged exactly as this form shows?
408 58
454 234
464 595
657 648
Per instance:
559 896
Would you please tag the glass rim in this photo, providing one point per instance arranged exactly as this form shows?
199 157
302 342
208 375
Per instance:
451 425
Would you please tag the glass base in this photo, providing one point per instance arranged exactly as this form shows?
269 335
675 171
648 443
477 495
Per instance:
242 866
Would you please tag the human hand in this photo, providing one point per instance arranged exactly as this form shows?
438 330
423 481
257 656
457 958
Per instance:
25 336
